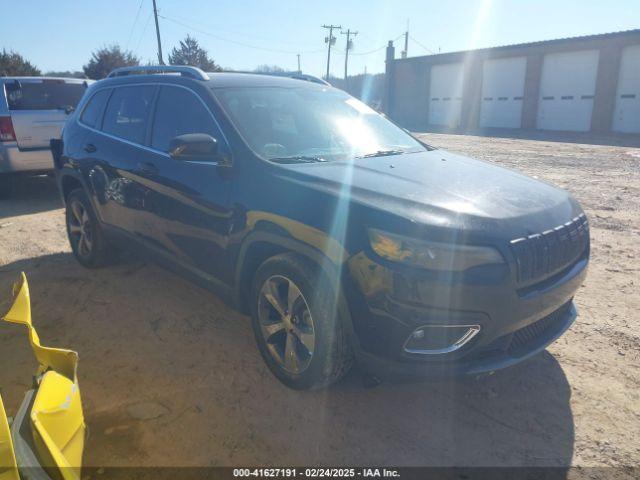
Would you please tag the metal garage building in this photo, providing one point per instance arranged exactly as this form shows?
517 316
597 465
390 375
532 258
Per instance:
575 84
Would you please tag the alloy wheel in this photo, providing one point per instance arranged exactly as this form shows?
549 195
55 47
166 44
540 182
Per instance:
80 228
286 324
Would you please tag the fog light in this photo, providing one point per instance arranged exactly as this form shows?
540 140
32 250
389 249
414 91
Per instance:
439 339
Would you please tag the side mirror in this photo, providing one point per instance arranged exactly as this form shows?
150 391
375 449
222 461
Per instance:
195 146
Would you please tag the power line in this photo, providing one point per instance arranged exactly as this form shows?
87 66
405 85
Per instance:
235 42
426 48
379 48
144 31
135 22
256 47
223 30
370 51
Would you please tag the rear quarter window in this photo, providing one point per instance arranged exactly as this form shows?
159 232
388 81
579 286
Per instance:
92 113
45 95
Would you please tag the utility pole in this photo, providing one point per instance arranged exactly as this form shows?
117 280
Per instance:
405 52
348 33
155 14
299 69
330 40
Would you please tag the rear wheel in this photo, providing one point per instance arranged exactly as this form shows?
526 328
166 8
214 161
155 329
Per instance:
87 240
296 323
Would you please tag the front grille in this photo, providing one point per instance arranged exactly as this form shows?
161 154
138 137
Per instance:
523 337
541 254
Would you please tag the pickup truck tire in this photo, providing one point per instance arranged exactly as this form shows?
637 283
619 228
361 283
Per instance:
88 243
303 319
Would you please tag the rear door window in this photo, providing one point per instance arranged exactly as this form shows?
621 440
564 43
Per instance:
93 111
127 112
45 95
178 112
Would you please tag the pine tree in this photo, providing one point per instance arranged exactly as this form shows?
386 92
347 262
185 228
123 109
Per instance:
190 53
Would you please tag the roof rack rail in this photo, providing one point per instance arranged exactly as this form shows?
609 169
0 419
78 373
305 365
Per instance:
306 77
184 70
294 74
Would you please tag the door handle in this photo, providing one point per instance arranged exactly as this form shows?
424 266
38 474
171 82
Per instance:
90 148
148 168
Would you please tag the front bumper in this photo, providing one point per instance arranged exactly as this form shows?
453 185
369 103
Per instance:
500 354
12 159
387 303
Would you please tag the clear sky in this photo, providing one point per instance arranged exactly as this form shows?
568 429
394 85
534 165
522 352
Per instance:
242 34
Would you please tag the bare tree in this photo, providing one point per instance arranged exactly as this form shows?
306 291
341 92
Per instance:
65 74
269 69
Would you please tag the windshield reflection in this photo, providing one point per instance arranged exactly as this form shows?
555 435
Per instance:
311 124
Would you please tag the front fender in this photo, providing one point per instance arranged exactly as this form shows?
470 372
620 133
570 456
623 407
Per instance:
287 235
306 235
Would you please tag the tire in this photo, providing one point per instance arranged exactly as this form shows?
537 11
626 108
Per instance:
284 341
88 243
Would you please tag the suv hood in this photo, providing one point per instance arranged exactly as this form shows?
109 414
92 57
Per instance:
439 187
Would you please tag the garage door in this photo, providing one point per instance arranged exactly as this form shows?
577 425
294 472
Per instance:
445 100
627 113
502 91
567 89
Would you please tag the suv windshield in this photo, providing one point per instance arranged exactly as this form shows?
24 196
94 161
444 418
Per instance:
45 95
311 124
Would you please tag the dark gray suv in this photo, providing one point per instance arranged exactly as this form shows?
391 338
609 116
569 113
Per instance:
343 236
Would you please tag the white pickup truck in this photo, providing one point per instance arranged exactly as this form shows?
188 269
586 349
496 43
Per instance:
33 110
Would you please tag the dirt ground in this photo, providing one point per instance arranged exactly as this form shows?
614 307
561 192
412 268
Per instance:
171 376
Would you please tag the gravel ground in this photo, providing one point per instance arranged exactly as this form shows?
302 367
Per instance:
171 376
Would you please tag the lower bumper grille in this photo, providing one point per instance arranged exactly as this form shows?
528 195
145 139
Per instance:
520 339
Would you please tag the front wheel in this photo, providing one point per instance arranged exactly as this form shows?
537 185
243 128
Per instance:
297 325
87 240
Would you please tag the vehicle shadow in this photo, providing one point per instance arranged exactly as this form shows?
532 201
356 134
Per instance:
163 359
517 417
30 195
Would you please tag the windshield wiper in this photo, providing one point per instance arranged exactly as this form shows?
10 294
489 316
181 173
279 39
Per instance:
381 153
298 159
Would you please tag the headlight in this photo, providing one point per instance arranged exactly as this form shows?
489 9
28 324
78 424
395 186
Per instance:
431 255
